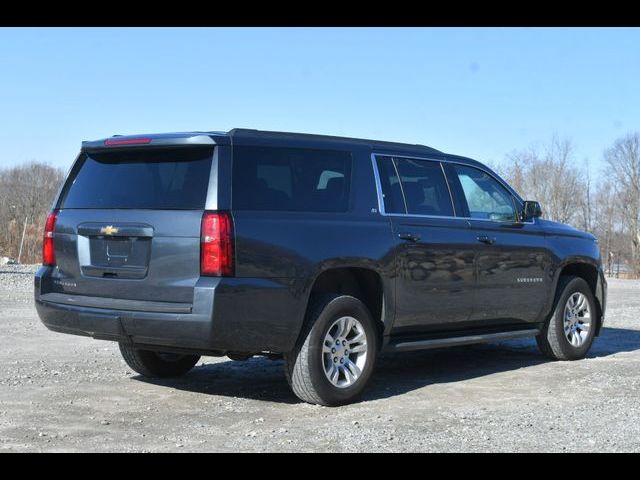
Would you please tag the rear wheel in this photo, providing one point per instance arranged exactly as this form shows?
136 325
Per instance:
336 351
569 333
157 364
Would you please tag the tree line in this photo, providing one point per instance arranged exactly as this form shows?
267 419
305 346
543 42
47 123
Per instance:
606 204
26 193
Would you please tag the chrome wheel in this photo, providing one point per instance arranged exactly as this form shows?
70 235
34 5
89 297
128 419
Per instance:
344 352
577 319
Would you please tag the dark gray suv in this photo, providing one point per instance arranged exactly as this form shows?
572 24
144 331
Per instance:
319 250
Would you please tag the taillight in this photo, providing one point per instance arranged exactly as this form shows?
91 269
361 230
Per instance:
216 244
48 252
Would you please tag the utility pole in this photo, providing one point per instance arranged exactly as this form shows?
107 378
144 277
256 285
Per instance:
24 229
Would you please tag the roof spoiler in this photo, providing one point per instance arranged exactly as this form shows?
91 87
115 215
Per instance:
155 140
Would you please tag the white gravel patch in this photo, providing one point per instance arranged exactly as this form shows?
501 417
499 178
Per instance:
17 277
66 393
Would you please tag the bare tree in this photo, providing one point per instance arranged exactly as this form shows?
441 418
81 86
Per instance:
623 160
607 225
551 175
26 193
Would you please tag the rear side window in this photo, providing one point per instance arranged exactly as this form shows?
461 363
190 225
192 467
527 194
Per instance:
424 187
391 190
416 187
171 179
290 179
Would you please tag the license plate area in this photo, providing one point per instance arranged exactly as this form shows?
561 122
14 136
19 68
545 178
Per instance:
119 251
122 255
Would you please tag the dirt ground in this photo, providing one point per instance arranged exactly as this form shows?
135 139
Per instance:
67 393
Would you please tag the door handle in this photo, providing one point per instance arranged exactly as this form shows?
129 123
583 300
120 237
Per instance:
486 239
412 237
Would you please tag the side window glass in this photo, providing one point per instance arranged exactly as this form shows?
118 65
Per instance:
290 179
424 187
486 197
276 177
391 190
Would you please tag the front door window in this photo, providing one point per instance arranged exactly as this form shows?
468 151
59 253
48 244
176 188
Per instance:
486 198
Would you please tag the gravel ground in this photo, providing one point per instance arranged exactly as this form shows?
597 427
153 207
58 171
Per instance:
68 393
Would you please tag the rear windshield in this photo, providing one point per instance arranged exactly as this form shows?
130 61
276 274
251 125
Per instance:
290 179
171 179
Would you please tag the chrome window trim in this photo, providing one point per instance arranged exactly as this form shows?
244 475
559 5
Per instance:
376 176
446 181
447 160
379 194
404 197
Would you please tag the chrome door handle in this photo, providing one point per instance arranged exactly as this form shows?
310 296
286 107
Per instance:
411 237
486 239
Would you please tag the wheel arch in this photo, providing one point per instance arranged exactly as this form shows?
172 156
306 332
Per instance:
590 273
362 282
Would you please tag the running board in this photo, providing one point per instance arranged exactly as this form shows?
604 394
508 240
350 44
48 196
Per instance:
406 346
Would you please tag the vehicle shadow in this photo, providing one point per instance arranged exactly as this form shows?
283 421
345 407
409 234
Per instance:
262 379
400 373
258 378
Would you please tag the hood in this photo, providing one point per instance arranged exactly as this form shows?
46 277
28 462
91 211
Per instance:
557 228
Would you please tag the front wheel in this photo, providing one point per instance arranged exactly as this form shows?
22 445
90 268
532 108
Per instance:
569 333
157 364
335 354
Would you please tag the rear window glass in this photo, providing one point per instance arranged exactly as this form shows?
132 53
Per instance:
290 179
171 179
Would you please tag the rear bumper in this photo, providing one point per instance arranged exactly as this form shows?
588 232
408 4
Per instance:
227 314
80 315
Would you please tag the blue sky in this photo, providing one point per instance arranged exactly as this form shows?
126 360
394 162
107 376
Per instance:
480 92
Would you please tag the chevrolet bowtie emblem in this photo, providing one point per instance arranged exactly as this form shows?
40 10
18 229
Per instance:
109 230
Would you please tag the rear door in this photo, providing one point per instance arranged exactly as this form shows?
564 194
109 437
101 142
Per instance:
129 223
435 250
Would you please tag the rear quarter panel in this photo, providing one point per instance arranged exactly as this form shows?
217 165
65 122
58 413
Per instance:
291 249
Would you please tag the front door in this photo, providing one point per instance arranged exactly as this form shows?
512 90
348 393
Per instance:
513 260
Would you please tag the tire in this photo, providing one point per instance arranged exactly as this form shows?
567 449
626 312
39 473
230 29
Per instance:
305 365
157 364
553 341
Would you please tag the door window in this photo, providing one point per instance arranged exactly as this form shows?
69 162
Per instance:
424 187
391 191
485 196
414 187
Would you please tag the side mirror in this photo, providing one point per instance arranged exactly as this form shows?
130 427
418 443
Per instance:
531 210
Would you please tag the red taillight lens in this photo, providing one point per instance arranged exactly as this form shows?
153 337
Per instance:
127 141
48 252
216 244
